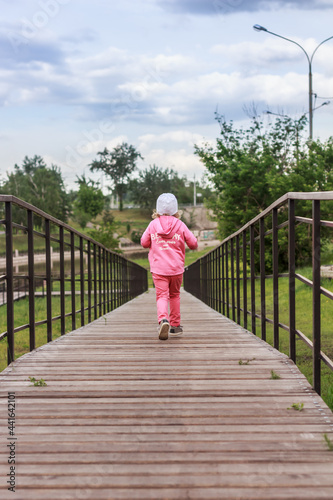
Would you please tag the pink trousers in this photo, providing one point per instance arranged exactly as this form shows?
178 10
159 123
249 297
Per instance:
168 293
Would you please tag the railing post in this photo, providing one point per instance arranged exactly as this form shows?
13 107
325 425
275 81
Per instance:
73 281
262 278
82 281
316 294
227 279
107 282
104 283
95 282
89 279
48 280
100 280
292 300
216 281
232 272
209 280
31 278
237 280
253 283
10 281
112 293
223 280
275 257
219 279
62 281
244 279
213 267
202 279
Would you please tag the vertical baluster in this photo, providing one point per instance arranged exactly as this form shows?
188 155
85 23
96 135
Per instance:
245 279
316 294
223 279
232 272
31 279
104 282
99 281
73 297
82 281
262 277
95 282
237 280
10 282
292 298
219 288
89 279
62 281
253 283
275 279
48 280
227 279
112 281
107 281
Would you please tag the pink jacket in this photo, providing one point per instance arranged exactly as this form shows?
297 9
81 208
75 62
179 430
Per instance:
166 237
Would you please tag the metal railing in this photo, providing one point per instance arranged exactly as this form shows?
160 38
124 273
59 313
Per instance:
97 280
230 277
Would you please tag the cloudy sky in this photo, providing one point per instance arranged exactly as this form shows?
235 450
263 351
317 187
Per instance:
81 75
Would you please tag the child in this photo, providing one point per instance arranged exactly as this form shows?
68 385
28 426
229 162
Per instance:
166 236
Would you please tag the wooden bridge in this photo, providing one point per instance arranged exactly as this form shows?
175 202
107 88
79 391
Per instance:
126 416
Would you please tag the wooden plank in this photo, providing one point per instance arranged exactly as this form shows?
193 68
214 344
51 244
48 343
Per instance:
125 415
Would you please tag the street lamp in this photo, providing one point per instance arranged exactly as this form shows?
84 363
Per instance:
267 112
257 27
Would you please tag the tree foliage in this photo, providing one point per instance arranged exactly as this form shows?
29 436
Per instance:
89 201
150 183
118 165
39 185
106 233
153 181
251 168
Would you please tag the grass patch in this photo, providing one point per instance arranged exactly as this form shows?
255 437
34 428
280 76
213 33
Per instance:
247 362
38 382
329 442
296 406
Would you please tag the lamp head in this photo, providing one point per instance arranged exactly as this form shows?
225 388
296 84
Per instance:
257 27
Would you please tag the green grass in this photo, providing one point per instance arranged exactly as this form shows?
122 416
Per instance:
296 406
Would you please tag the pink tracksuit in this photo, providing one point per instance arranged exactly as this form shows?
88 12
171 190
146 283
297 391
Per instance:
166 237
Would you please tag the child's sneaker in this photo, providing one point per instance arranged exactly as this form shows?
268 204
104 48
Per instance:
163 332
176 331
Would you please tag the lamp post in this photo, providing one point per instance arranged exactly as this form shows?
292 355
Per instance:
257 27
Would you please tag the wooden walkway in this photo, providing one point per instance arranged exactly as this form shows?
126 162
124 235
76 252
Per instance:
126 416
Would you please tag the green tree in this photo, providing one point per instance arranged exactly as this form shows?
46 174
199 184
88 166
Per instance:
89 201
106 232
39 185
118 165
150 183
153 181
251 168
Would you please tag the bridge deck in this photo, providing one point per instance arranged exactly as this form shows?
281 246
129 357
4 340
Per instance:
125 415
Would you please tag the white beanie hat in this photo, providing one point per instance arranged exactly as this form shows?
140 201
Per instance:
166 204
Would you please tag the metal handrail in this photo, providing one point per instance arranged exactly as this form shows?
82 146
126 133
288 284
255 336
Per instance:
218 277
105 279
